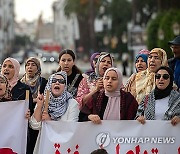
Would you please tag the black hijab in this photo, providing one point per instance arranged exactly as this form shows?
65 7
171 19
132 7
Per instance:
158 93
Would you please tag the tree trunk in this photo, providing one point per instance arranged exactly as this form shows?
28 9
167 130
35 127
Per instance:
84 34
91 25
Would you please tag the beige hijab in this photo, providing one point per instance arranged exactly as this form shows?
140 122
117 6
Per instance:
16 65
145 81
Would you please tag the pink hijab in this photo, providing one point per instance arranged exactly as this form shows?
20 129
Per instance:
16 65
112 111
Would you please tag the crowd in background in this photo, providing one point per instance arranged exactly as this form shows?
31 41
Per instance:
151 93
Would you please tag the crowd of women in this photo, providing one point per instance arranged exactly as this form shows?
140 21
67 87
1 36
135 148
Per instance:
96 95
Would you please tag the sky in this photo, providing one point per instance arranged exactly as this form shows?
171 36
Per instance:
31 9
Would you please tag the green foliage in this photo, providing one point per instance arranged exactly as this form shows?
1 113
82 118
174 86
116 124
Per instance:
120 11
165 22
121 15
152 30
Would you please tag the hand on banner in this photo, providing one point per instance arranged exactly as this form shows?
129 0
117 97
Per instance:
141 119
45 116
175 120
27 114
94 118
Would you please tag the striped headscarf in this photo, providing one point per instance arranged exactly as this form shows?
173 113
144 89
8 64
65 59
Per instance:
101 57
57 105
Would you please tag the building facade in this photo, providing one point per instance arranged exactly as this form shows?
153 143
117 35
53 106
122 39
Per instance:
65 29
6 27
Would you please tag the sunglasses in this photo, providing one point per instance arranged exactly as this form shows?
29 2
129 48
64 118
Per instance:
62 81
164 76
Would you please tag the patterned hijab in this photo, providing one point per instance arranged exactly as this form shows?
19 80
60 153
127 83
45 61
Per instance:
34 83
57 105
101 57
16 65
7 95
112 111
145 80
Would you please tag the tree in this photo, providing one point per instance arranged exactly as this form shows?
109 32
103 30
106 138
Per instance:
120 12
85 11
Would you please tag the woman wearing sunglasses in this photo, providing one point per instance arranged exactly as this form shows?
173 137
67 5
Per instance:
61 106
163 103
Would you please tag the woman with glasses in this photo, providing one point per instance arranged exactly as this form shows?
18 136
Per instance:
93 83
163 103
61 106
143 82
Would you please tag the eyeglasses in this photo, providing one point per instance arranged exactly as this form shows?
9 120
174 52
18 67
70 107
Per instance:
165 76
62 81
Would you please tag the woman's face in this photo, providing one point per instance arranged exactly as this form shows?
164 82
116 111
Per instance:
58 85
2 87
31 69
104 65
162 79
111 81
66 63
140 64
154 62
8 70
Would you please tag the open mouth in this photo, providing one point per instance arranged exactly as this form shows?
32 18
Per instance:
56 87
104 69
29 71
140 67
109 86
160 83
6 73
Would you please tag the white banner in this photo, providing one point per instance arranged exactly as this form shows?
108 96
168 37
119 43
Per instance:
117 137
13 127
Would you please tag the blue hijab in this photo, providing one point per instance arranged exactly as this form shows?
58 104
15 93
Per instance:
143 56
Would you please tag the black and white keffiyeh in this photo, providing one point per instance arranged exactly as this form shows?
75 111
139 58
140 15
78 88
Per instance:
57 105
